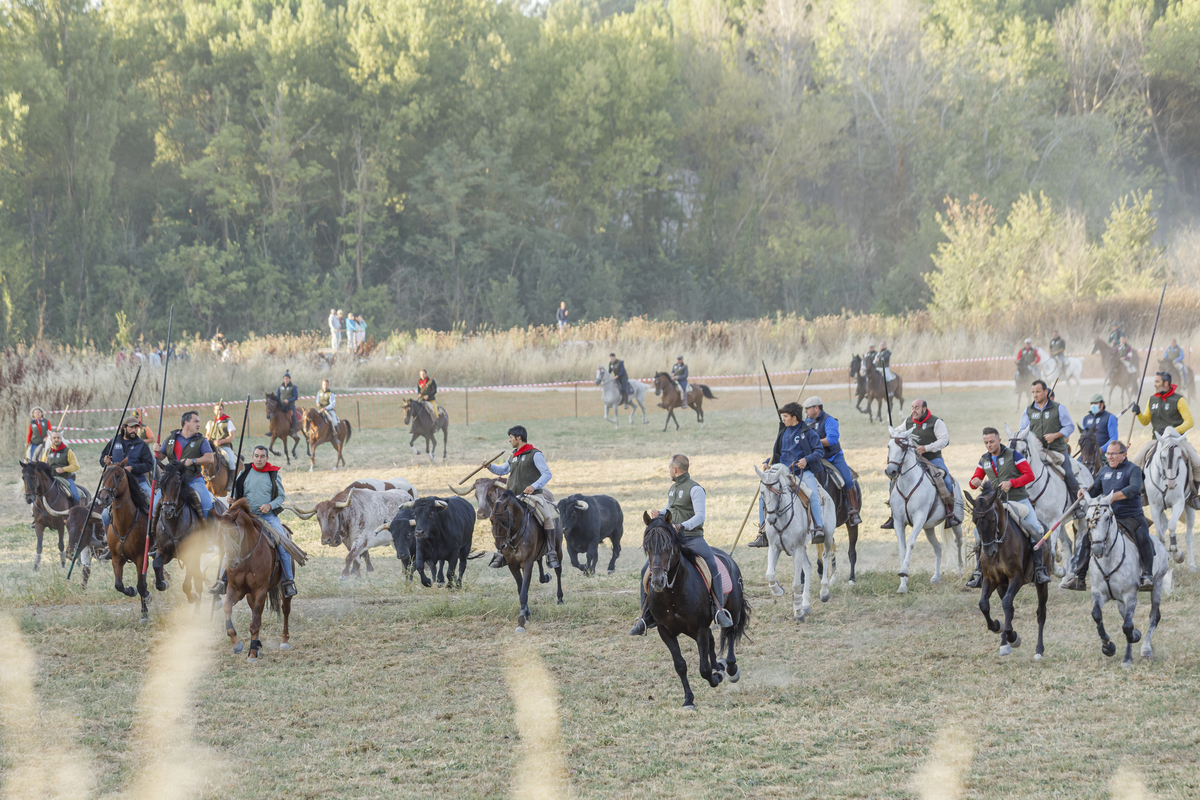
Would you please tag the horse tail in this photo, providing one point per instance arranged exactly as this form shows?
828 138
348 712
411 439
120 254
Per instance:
707 392
275 596
739 627
346 438
899 393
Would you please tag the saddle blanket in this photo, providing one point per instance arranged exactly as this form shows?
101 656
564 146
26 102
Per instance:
722 569
1018 512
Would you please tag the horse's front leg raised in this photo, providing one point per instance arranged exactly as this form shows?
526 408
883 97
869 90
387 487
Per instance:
672 643
985 605
708 658
1107 646
118 565
1155 616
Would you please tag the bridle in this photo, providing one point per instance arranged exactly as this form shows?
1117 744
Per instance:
1000 526
111 492
512 534
656 566
1100 549
773 515
1174 464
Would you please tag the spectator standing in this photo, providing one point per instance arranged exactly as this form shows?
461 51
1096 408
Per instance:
562 315
341 323
362 329
335 330
121 357
156 358
351 333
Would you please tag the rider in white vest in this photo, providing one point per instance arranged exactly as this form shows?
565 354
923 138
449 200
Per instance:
326 401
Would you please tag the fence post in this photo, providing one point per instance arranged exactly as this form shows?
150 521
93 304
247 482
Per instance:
467 399
941 389
577 398
358 407
760 397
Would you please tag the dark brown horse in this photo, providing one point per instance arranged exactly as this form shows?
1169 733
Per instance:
317 431
281 425
1090 454
179 531
126 535
217 476
254 572
877 392
860 381
1117 374
86 534
1006 560
663 385
424 425
521 539
50 503
680 602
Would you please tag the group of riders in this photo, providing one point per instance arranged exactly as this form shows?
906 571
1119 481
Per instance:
679 376
1029 359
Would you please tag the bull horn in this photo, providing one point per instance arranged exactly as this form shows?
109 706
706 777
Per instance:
345 502
301 514
383 527
97 515
408 504
582 506
467 493
412 523
52 512
439 503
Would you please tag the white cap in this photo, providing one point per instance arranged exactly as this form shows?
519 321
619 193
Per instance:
815 400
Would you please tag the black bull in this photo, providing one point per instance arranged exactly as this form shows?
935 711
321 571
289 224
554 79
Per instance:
443 531
586 521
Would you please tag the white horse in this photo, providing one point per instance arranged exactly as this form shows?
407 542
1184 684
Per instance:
1053 371
788 531
915 501
611 394
1114 573
1049 494
1168 478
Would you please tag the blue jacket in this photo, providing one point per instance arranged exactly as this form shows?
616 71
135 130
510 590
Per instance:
141 460
797 442
1127 479
826 427
1105 424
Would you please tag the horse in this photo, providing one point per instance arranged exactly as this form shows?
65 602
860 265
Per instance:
51 502
842 519
1168 478
1114 574
860 380
1090 455
610 395
179 519
424 425
254 572
127 530
1023 380
521 539
1184 375
1053 371
680 602
217 476
317 431
1005 562
1048 492
1119 374
85 536
281 425
915 501
788 530
664 385
877 392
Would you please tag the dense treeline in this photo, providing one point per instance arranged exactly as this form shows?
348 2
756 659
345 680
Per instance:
472 162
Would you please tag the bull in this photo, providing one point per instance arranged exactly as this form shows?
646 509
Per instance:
405 541
586 521
352 516
443 530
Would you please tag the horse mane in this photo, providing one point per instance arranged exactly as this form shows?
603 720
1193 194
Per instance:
984 501
174 468
135 492
42 466
660 537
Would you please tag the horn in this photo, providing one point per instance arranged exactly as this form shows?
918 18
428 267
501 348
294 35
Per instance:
467 493
51 511
383 527
97 515
440 503
582 506
408 504
412 523
301 514
345 502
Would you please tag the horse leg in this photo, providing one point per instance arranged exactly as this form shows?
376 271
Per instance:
645 420
852 534
1008 637
526 577
39 529
1155 616
958 550
918 526
259 599
931 535
1132 634
558 579
542 576
708 658
118 565
670 415
62 553
985 605
1190 517
672 643
1043 594
772 559
287 612
801 607
445 435
902 543
143 590
233 596
1107 646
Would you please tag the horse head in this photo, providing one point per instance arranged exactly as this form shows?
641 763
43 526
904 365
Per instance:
661 382
272 401
174 489
509 517
600 373
661 544
986 513
901 446
111 481
30 476
1089 450
1100 521
855 365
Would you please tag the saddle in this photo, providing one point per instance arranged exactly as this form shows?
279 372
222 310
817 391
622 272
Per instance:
702 566
833 474
1018 513
937 475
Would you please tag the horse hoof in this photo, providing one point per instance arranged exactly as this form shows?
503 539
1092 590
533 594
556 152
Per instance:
544 579
1137 636
1179 558
1060 572
824 595
936 579
1192 568
1127 663
1006 650
1037 656
162 586
1109 648
850 582
129 591
689 707
284 646
237 648
994 626
722 665
902 590
777 590
734 674
716 679
1147 652
902 574
251 659
520 629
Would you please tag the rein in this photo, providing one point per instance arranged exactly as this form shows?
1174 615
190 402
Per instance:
115 505
512 537
241 558
1096 558
791 508
1001 526
906 448
667 569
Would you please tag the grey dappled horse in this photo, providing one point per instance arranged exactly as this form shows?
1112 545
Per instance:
788 530
610 393
1168 478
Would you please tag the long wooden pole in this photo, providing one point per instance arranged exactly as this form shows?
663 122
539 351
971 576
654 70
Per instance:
162 400
477 469
745 519
1146 364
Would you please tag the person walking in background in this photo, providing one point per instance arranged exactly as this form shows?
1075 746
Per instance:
335 330
562 315
38 433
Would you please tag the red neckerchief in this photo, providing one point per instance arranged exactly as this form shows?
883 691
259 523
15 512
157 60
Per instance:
421 383
923 419
268 467
525 448
1166 394
59 449
40 423
222 418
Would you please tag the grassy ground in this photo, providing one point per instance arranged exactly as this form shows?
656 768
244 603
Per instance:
399 691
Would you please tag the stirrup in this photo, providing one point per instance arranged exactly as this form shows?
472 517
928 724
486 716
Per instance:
818 536
723 619
1193 502
760 540
976 579
217 589
497 561
889 525
1074 583
1146 581
639 628
1040 575
289 588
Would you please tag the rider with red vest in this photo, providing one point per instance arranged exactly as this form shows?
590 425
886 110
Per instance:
39 431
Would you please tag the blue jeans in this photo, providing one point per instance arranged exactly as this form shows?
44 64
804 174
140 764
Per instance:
839 463
1030 516
106 514
285 558
937 460
74 488
197 484
808 480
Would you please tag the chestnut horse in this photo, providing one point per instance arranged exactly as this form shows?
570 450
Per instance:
179 531
281 425
317 431
520 537
127 532
1117 374
86 535
425 426
217 476
50 502
670 398
254 572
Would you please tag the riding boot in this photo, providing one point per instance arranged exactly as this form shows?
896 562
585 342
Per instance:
288 585
889 525
761 540
552 549
497 561
853 504
1193 501
720 615
1077 580
1146 556
218 587
645 620
1039 568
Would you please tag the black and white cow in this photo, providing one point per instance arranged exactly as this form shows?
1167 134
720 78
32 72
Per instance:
586 520
443 531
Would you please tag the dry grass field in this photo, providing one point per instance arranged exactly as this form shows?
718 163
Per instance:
393 690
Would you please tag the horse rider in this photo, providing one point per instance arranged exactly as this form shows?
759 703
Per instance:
1010 473
130 447
39 430
829 432
219 430
427 394
616 368
870 355
260 484
288 394
1120 484
799 446
883 360
1174 355
932 437
528 474
1103 421
1125 352
1028 358
1058 351
145 432
1051 423
1115 335
685 502
679 373
326 401
62 460
1169 408
186 445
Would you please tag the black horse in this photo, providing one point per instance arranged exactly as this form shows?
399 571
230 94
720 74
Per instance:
860 380
843 517
424 425
680 602
877 391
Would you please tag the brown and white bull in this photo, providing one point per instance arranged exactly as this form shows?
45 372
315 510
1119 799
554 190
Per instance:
356 512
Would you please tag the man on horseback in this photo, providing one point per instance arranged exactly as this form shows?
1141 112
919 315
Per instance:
427 393
883 360
1051 423
1010 473
1115 335
1126 353
39 431
679 373
1174 354
1120 483
616 368
1102 421
188 446
528 475
685 502
1169 408
1027 358
932 438
288 394
219 431
829 432
1058 351
62 460
130 447
262 487
326 401
799 446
